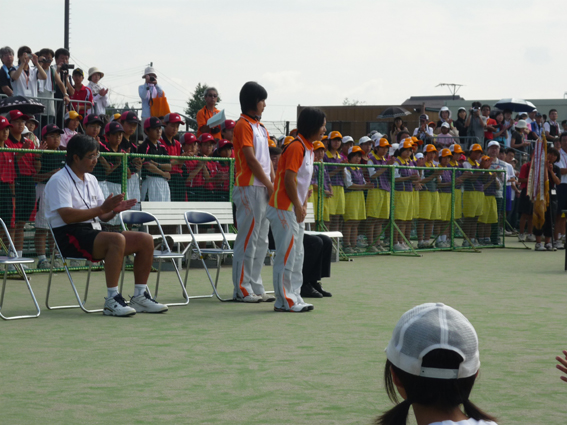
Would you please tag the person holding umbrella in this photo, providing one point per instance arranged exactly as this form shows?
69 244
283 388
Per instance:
397 127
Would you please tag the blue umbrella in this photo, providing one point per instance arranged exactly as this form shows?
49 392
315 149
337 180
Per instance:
515 105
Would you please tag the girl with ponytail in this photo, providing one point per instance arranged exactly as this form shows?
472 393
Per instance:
432 363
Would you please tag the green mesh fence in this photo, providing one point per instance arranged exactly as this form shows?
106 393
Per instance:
386 209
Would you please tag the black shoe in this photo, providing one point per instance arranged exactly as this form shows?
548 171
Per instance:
307 291
317 286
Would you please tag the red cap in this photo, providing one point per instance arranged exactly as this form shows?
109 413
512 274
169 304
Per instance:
129 116
50 128
113 127
93 119
173 118
152 122
223 144
206 137
188 138
462 158
4 123
17 115
229 124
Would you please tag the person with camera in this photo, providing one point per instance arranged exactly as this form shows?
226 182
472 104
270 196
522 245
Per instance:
62 67
24 79
424 132
48 87
475 124
148 91
208 111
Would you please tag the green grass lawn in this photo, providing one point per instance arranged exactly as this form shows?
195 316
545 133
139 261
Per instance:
222 363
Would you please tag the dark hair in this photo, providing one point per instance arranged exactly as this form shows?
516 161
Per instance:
552 110
399 151
62 51
22 50
444 394
476 104
399 136
250 94
79 145
46 51
555 152
562 135
309 122
507 111
510 150
275 151
485 106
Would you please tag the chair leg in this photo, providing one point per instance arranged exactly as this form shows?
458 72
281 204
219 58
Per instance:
27 316
195 297
181 283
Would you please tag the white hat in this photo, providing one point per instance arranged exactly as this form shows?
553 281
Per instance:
493 143
429 327
94 70
364 139
462 108
446 125
377 136
149 70
393 148
522 124
347 139
419 155
26 131
522 113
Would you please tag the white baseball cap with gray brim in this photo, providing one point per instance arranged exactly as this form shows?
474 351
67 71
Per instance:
521 124
347 139
493 143
377 136
364 139
429 327
446 125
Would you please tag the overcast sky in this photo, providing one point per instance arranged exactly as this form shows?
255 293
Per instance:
310 52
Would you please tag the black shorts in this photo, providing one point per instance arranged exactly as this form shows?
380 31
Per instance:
6 204
561 197
25 198
525 205
77 240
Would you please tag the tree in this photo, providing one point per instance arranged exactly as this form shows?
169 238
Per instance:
353 102
197 101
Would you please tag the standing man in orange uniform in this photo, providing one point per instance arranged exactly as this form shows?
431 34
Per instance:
208 111
287 210
252 190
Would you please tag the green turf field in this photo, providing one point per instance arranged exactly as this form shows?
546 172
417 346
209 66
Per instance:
226 363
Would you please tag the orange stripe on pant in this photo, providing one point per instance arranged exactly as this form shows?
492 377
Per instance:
244 291
288 300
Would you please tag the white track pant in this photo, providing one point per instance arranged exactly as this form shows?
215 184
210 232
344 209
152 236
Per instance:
156 188
288 264
251 244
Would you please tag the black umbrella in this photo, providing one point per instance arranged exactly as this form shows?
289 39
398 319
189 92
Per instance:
22 104
393 112
515 105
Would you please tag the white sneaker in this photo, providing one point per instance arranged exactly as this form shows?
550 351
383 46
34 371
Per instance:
399 247
531 238
549 247
522 237
43 264
559 245
296 308
252 298
116 306
309 306
267 298
539 247
466 244
146 304
475 242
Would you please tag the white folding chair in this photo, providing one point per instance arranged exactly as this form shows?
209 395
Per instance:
144 218
13 259
81 303
198 218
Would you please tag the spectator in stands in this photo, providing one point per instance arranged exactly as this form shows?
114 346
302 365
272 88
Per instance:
99 92
76 206
82 94
337 201
560 229
489 123
189 146
444 139
537 125
445 117
31 125
62 68
461 123
288 208
7 56
155 171
148 91
563 365
429 213
519 140
253 188
48 87
50 164
454 162
365 144
355 208
203 175
493 151
564 125
508 124
500 132
319 153
525 205
172 122
423 132
293 132
347 143
475 124
554 175
473 197
531 116
404 211
397 126
93 123
227 131
72 122
444 185
24 78
552 128
489 216
208 111
7 178
434 373
512 191
222 173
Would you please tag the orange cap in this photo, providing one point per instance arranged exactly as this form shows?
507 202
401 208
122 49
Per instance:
288 140
476 147
445 152
325 137
486 158
335 135
272 144
406 143
457 148
383 143
355 149
430 148
318 145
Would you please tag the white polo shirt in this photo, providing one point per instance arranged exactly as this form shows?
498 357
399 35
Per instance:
65 190
563 164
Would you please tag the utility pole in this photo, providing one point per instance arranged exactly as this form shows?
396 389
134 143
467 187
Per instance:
453 88
66 41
